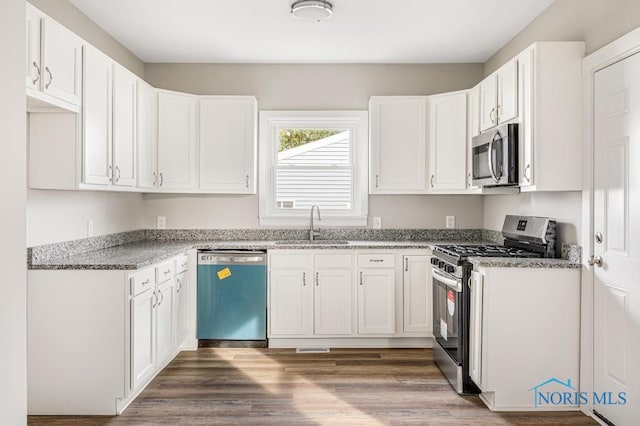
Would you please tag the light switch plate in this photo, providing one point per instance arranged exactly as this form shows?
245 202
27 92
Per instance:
161 222
377 222
451 221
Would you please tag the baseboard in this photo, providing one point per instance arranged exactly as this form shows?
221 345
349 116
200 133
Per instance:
354 342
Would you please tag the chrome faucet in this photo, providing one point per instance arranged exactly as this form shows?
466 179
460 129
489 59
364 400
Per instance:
312 232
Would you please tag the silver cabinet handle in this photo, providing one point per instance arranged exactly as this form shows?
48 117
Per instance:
161 179
110 173
117 174
491 115
155 178
50 77
179 285
317 279
498 113
155 296
162 299
377 181
525 173
246 181
360 277
432 176
145 282
167 271
595 260
304 278
35 65
469 179
406 264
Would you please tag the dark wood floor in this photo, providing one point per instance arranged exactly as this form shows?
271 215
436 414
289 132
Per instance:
344 387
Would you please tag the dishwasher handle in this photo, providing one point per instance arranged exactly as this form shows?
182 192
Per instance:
232 258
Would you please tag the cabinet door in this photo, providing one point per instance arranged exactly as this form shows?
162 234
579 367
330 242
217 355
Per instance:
488 100
291 302
376 301
97 114
398 145
32 67
182 307
124 127
525 94
475 329
417 294
332 301
142 340
62 66
228 144
507 107
164 321
177 166
448 141
147 135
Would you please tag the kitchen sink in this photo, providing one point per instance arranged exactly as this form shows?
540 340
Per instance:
314 242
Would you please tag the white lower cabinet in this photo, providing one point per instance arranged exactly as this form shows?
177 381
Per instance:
349 298
97 337
417 294
514 316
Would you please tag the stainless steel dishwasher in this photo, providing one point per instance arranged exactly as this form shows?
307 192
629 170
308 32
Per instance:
232 296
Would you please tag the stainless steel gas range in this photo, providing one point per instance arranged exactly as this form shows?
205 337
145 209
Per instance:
524 236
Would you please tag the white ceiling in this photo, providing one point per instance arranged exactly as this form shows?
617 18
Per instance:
360 31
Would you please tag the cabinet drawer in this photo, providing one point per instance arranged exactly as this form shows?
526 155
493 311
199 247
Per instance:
142 280
376 260
289 261
164 271
182 263
332 261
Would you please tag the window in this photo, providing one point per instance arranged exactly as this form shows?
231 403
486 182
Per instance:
313 158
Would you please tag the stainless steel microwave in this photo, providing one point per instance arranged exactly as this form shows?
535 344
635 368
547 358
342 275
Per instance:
495 156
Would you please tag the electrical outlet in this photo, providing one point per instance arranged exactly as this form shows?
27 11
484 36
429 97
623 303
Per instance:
161 222
89 228
377 222
451 221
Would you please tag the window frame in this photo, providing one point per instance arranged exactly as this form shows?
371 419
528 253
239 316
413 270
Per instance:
270 123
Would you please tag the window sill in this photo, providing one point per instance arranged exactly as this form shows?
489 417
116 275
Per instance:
304 221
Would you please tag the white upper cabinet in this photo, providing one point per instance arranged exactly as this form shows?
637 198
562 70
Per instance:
97 118
473 122
124 127
398 145
177 148
550 102
54 63
499 96
228 143
147 135
447 141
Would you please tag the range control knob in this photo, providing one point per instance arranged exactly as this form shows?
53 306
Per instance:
441 264
434 260
450 269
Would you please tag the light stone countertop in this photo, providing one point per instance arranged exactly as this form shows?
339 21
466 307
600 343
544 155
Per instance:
520 262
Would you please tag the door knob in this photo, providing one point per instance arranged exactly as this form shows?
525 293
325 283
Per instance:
595 260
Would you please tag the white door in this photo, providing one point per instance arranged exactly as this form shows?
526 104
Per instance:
142 340
448 141
417 294
164 321
291 302
398 145
177 165
182 307
228 143
32 67
488 98
475 328
62 73
147 131
97 115
376 301
332 301
617 218
507 108
124 127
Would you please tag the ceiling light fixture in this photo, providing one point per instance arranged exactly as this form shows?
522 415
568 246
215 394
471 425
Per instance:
312 10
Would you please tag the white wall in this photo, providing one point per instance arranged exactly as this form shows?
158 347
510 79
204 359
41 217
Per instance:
55 216
565 207
13 175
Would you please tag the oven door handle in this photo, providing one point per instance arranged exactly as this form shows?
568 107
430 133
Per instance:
448 281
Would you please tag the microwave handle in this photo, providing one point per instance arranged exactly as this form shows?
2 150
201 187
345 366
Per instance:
496 178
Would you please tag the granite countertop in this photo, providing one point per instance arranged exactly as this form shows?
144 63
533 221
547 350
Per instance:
519 262
140 254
